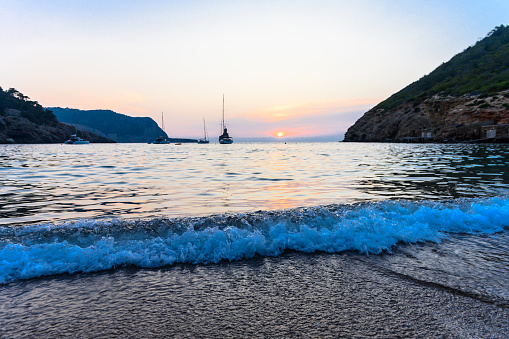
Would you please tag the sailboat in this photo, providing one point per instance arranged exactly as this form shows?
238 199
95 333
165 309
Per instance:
204 140
224 138
161 139
74 139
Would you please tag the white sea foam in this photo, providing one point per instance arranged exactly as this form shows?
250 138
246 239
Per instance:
371 228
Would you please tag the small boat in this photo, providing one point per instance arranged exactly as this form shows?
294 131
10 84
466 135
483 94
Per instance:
76 140
204 140
161 139
224 138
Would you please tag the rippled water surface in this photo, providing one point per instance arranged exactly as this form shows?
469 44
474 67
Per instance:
40 183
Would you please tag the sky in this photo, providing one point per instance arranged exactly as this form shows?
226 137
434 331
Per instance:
307 69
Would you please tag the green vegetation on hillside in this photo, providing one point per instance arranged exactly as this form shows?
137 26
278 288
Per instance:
480 69
32 110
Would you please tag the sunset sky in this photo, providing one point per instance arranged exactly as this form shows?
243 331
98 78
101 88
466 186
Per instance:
305 68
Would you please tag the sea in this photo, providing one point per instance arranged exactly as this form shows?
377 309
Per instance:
254 240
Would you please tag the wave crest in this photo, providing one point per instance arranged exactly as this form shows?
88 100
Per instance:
370 228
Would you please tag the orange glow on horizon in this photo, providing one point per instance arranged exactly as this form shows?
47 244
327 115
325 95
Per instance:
291 112
280 134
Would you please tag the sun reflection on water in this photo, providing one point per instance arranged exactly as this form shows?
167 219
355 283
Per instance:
42 183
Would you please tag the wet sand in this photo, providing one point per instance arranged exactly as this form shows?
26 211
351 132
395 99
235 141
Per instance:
293 295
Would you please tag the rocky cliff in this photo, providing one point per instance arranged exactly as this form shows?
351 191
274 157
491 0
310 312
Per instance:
25 121
437 119
113 125
464 99
14 128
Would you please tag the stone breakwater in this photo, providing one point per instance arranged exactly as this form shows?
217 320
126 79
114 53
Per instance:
469 118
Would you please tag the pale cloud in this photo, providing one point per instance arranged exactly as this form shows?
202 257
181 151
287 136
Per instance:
311 109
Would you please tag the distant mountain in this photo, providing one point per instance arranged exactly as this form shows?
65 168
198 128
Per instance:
24 121
115 126
458 101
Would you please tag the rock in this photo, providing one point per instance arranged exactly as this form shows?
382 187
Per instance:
16 129
112 125
434 119
12 112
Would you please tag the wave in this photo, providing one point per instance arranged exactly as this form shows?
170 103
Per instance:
369 228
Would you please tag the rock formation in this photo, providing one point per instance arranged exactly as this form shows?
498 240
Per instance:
437 119
464 99
112 125
16 129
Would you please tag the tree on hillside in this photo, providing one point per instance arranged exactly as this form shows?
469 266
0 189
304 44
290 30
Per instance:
479 69
32 110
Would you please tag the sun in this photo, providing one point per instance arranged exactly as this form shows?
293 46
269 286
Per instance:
280 134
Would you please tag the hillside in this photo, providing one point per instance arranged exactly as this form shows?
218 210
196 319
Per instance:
115 126
31 110
461 100
27 122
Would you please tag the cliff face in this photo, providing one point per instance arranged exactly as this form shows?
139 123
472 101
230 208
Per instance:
438 118
16 129
116 126
464 99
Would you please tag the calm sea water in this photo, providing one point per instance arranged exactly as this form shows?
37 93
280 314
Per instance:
254 239
53 183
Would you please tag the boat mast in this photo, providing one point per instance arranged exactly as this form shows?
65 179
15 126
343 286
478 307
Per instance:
204 130
75 125
162 122
222 121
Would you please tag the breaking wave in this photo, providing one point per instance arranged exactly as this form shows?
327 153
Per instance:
370 228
